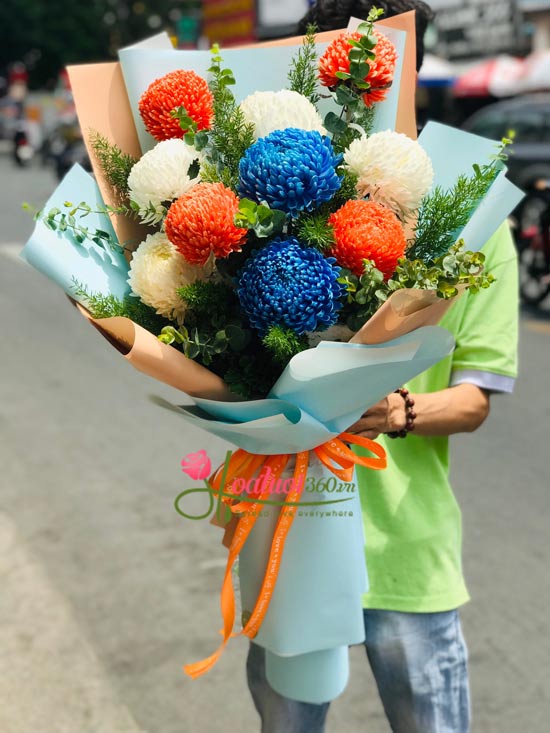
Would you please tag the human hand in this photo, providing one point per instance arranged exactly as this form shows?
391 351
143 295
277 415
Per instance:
385 416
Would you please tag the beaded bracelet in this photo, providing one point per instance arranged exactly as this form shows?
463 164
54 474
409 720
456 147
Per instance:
410 415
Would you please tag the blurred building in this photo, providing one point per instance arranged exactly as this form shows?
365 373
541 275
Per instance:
475 28
277 18
229 22
537 13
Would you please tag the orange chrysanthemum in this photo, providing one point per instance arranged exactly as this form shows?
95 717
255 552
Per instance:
365 230
176 89
380 76
201 222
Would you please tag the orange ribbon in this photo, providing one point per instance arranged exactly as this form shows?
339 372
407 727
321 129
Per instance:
336 456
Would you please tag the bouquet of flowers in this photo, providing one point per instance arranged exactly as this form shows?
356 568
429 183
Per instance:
269 245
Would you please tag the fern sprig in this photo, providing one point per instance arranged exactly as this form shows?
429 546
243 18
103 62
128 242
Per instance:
445 212
115 164
109 306
303 72
231 135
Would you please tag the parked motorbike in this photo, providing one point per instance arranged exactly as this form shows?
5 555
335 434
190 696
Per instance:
533 242
23 151
65 147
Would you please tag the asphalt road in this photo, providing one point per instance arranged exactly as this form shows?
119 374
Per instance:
106 591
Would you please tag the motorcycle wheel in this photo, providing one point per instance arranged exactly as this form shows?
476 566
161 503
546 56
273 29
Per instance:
534 279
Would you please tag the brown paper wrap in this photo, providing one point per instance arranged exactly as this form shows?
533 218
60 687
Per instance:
102 106
404 311
147 354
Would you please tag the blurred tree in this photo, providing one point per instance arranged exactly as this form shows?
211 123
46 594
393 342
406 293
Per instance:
47 35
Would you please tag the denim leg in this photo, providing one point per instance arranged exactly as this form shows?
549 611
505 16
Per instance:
280 714
419 661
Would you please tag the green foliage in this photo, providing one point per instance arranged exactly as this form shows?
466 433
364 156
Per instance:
361 300
455 269
107 306
187 124
347 191
444 213
59 221
205 346
314 230
262 220
253 374
354 84
213 323
206 298
284 343
312 227
303 72
230 135
115 164
444 274
362 51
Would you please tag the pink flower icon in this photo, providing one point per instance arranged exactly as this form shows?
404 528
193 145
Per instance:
197 465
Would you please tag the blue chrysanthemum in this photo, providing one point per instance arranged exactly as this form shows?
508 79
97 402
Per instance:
287 284
291 170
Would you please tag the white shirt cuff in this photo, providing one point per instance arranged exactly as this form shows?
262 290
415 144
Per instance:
484 380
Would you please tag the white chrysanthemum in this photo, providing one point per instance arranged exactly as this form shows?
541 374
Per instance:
269 111
157 270
162 174
392 169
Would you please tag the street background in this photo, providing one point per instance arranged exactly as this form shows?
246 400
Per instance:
106 591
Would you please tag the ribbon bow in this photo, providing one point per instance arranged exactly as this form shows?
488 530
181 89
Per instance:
336 456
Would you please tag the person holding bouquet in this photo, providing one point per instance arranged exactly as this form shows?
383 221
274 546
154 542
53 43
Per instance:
412 522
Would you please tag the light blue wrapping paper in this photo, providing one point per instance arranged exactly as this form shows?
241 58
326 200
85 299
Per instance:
453 153
315 612
59 256
321 393
385 113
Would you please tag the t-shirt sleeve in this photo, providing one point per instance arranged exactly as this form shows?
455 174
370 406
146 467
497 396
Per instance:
487 340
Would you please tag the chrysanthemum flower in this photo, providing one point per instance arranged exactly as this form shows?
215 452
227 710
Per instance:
286 284
270 111
291 170
391 169
176 89
380 76
365 230
157 270
161 175
201 222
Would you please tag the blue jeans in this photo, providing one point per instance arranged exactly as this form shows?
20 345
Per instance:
419 662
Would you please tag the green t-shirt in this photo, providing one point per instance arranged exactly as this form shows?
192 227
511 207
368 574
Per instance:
411 518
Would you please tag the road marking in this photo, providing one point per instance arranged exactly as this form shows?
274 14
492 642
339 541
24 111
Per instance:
538 326
11 250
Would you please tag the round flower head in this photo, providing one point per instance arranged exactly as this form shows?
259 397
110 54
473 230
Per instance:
391 169
176 89
157 270
365 230
161 175
286 284
201 222
291 170
380 76
270 111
